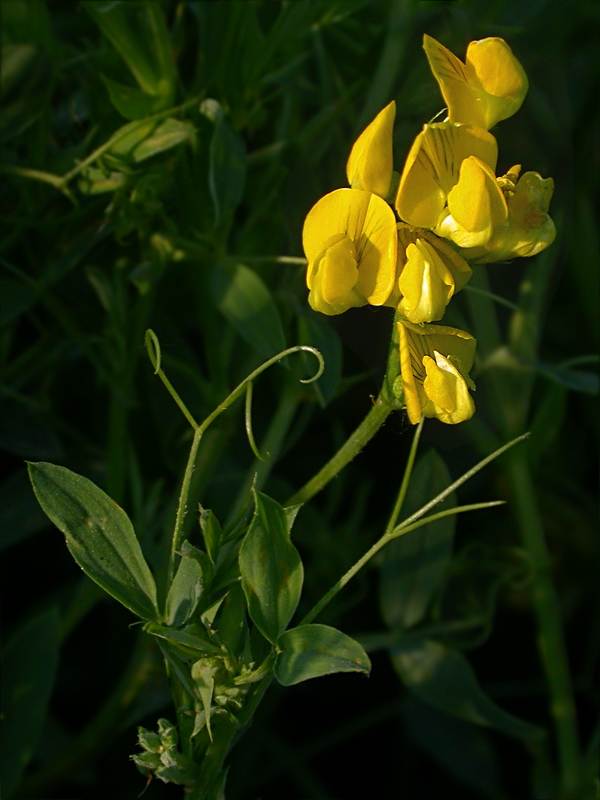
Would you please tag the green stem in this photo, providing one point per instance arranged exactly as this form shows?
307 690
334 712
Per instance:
386 402
183 497
272 444
350 449
389 536
201 429
551 640
413 522
406 478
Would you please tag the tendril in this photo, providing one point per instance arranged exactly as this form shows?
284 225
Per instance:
249 432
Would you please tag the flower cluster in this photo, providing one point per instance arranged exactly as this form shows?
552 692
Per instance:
452 211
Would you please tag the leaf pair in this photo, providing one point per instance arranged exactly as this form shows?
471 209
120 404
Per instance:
272 577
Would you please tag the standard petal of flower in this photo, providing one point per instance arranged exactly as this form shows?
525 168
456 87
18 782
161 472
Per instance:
368 223
433 166
370 163
501 76
489 87
377 251
444 391
475 206
413 373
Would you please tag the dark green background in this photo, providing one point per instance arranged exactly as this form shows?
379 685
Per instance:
77 389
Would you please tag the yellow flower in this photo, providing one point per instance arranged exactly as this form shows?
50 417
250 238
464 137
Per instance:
528 229
476 206
435 362
429 273
449 172
490 86
370 163
351 244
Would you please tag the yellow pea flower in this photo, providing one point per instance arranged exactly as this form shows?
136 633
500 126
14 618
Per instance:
476 206
429 273
435 361
350 242
490 86
528 228
370 164
433 169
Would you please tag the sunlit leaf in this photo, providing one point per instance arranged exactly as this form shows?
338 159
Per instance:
271 569
99 535
310 651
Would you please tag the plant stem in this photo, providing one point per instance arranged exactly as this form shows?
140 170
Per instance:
406 478
551 640
183 497
349 450
400 530
413 522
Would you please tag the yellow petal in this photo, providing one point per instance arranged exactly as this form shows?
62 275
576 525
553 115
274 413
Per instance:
447 390
426 284
501 76
528 229
437 250
489 87
410 363
433 167
455 352
370 163
369 224
475 206
334 280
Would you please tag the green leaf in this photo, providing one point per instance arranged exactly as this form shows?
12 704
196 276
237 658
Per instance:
227 162
29 664
271 569
168 134
184 592
130 102
414 565
444 678
188 641
203 675
247 304
99 536
112 20
310 651
94 181
130 136
578 380
231 622
211 531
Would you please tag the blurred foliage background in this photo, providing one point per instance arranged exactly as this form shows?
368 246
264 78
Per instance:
240 116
